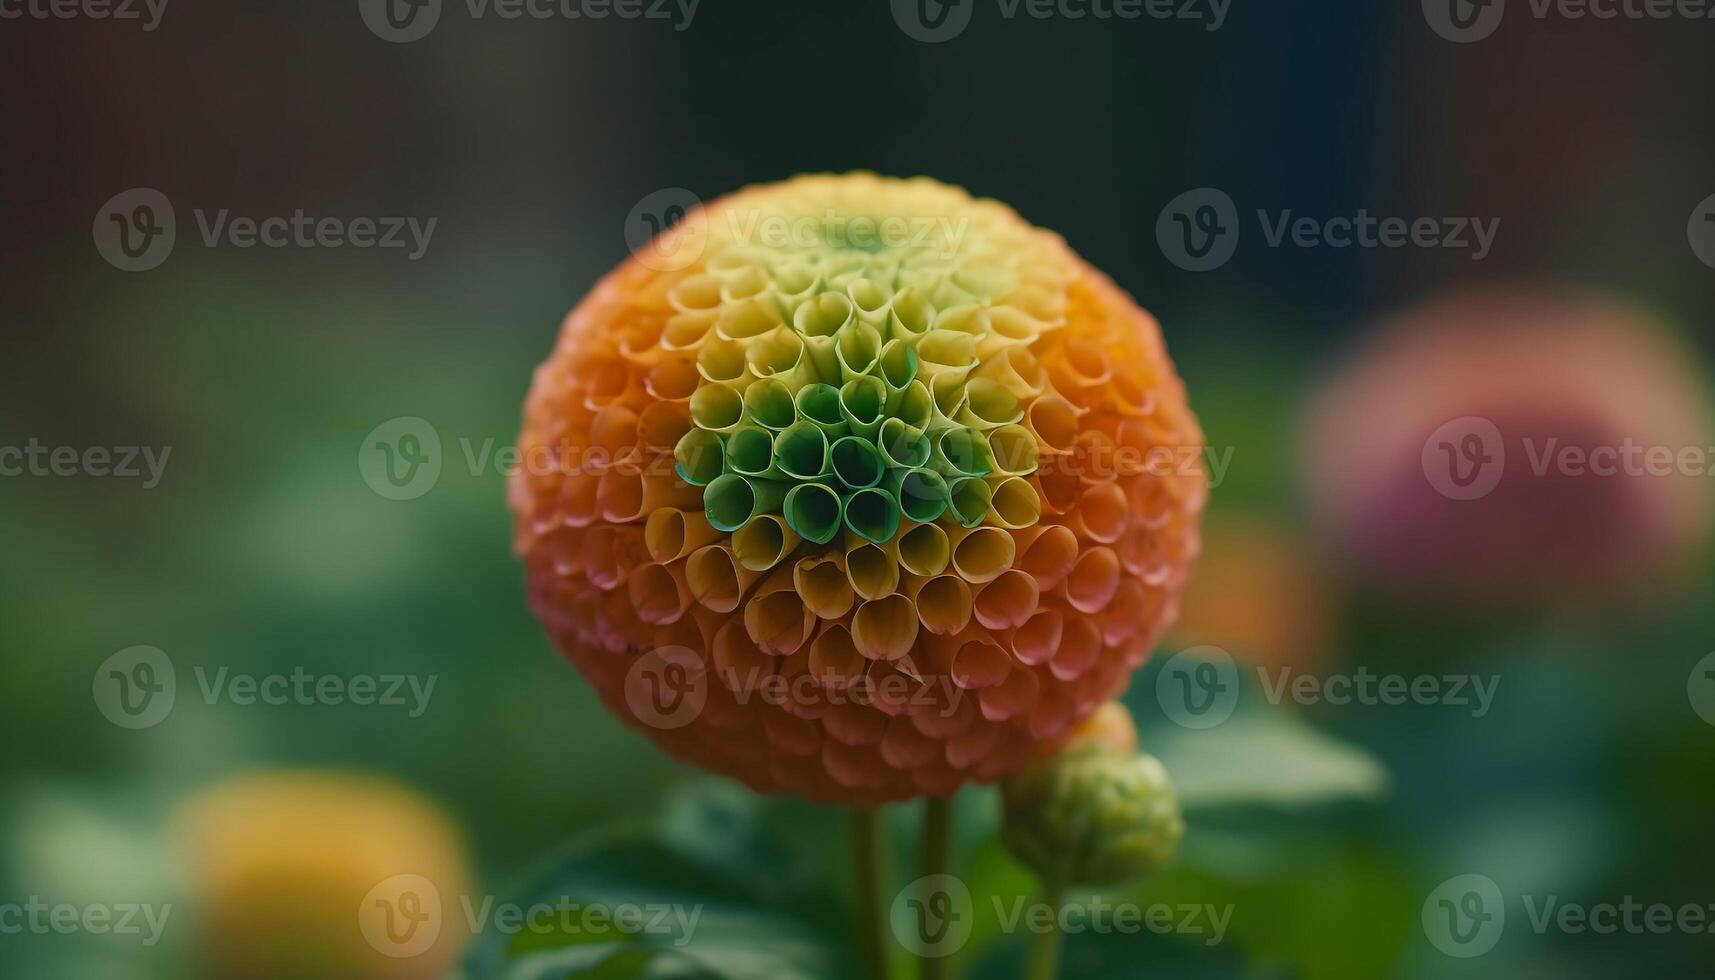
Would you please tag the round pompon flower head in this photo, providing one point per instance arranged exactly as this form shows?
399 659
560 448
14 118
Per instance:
1516 450
857 488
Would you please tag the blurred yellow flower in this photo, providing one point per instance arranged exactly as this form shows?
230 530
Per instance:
332 876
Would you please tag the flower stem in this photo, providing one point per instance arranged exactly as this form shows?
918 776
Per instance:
870 860
936 858
1044 962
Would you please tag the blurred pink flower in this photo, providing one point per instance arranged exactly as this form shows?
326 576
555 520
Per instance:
1513 449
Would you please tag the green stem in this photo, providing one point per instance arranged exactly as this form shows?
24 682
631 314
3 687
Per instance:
1044 962
937 853
870 860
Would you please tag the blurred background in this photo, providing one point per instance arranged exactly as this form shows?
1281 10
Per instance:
1319 370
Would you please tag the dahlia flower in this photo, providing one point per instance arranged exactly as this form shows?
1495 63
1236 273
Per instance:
861 488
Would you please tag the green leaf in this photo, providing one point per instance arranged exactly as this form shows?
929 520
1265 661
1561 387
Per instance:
1287 917
1264 755
1269 759
608 961
705 891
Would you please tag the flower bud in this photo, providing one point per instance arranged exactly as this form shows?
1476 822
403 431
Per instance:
1091 816
1110 728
